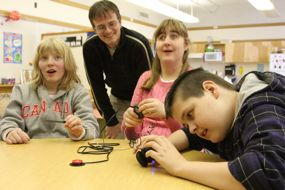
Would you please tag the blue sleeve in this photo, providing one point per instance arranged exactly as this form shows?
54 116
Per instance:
261 165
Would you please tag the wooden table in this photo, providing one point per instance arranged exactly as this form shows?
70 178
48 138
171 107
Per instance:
43 164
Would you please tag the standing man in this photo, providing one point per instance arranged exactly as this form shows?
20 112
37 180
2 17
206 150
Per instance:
115 56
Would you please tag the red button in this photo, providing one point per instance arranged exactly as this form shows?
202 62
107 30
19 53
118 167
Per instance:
77 162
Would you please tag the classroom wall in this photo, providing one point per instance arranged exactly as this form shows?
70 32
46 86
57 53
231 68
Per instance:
32 32
31 35
250 33
49 10
144 30
228 35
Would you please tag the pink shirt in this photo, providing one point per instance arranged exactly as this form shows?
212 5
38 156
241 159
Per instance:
149 126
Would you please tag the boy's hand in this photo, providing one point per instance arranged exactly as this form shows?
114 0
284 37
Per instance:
17 136
152 107
163 153
73 125
130 118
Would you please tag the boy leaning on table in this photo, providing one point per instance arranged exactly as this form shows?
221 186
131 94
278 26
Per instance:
244 124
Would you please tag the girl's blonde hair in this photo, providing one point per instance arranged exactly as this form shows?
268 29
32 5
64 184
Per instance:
56 46
167 25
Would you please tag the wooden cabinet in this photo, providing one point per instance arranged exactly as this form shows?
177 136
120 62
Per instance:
197 47
244 51
233 53
200 47
6 88
251 51
241 52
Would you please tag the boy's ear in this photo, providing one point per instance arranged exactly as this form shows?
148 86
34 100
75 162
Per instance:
211 87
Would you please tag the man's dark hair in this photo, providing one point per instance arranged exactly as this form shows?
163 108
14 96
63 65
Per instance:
189 84
101 8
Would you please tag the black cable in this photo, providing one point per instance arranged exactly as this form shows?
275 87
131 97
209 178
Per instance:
107 159
109 120
96 148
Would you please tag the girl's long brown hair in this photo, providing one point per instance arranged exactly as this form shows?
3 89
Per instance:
172 25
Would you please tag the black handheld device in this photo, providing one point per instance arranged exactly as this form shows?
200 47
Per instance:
136 110
142 159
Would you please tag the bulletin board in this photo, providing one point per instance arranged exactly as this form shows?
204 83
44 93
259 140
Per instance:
12 51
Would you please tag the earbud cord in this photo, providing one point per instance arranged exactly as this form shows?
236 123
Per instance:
109 151
107 159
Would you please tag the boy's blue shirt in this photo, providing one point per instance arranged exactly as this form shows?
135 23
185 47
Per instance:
255 146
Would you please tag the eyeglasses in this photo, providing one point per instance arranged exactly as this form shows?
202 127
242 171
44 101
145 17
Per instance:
102 28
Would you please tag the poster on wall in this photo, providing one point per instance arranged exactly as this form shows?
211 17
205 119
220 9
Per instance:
12 48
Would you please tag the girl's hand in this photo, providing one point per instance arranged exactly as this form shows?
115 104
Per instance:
17 136
152 107
73 125
130 118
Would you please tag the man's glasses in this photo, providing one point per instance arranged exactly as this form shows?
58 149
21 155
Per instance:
102 28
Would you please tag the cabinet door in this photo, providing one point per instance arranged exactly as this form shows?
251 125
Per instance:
251 52
244 51
267 47
197 47
234 52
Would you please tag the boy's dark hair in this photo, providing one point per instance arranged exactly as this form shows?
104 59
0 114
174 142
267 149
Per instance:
189 84
101 8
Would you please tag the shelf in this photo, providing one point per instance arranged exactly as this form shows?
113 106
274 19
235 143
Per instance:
246 51
196 56
6 88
